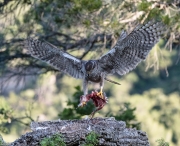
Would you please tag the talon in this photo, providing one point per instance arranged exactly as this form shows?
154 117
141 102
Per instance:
82 104
100 94
83 100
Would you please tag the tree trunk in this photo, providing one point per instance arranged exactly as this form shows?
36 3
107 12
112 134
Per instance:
110 132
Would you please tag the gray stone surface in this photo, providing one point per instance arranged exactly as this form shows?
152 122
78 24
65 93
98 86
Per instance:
111 132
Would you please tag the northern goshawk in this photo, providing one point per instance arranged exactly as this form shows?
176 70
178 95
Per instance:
128 52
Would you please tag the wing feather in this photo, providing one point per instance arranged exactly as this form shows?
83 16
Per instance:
131 49
55 57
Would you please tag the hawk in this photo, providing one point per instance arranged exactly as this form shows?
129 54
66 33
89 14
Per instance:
127 53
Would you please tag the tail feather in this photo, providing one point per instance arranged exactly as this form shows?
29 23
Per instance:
112 81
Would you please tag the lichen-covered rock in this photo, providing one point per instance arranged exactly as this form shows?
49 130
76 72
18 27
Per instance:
110 132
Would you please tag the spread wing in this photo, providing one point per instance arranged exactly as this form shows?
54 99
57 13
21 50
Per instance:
131 49
55 57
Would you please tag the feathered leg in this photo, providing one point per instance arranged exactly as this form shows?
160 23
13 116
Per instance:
101 88
85 90
85 87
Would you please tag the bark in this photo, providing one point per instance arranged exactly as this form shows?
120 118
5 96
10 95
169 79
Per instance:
110 132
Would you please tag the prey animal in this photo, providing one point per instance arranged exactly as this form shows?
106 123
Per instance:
98 101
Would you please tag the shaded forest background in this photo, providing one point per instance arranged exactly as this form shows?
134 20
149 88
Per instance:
148 97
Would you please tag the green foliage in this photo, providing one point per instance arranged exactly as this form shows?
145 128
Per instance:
161 142
91 139
2 142
87 23
155 13
67 10
126 113
55 140
89 5
152 12
5 116
144 5
27 1
166 19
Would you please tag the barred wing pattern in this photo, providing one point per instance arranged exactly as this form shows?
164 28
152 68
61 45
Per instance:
55 57
131 49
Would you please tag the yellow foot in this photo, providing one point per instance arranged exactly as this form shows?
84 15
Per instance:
82 104
100 94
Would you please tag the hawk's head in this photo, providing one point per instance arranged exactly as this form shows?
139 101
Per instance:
90 65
